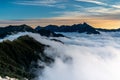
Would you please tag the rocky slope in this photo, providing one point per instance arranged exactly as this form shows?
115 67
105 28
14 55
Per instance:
19 57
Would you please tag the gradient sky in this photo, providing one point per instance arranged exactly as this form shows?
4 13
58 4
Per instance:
98 13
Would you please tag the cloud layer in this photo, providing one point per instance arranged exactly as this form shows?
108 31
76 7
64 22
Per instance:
83 57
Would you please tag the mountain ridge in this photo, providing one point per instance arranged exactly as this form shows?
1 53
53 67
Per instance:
49 30
73 28
8 30
19 57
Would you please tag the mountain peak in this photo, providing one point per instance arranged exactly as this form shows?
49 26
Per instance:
86 24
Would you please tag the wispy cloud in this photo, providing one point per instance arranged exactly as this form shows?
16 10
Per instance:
90 13
47 3
93 1
37 2
70 15
102 3
116 6
103 10
74 9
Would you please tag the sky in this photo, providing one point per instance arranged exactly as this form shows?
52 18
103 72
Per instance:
98 13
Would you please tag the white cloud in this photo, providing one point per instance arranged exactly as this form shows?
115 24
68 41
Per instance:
103 10
93 1
48 3
38 2
96 12
70 15
116 6
91 57
81 57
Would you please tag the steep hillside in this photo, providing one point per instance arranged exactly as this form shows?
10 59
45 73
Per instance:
19 57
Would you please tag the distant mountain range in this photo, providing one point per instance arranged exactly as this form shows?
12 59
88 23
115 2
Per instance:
50 30
81 28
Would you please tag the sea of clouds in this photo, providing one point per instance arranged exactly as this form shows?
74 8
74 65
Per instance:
81 57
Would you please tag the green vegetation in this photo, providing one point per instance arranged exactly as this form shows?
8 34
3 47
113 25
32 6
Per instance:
16 57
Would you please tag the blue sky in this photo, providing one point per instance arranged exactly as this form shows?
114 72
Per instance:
59 9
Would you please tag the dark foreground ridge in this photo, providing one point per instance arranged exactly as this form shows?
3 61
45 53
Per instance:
19 57
81 28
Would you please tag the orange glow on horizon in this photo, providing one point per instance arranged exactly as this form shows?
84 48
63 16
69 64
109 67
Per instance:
107 24
97 23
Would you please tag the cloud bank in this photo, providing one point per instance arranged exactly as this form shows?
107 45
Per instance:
89 57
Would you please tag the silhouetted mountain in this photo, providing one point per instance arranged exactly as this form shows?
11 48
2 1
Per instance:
19 57
49 33
4 31
81 28
38 28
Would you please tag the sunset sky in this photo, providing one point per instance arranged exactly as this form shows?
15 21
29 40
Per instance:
98 13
